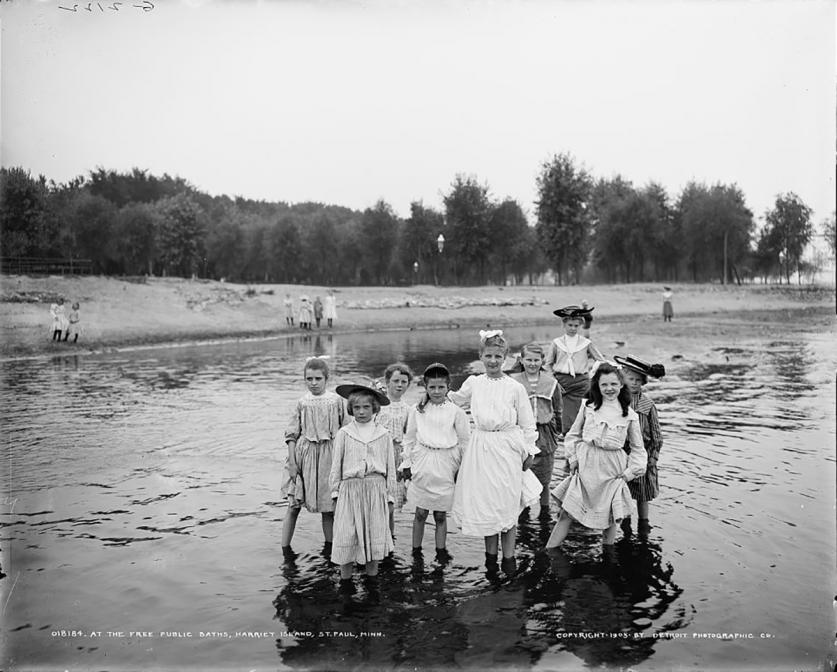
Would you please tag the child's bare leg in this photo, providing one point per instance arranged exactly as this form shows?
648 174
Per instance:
372 568
508 541
418 526
328 525
346 570
560 531
441 519
609 535
289 525
392 523
491 544
642 510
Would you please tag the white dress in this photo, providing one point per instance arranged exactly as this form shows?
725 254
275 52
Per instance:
330 308
488 491
433 445
595 495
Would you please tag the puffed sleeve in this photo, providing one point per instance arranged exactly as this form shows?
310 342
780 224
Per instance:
551 356
294 427
526 419
462 397
573 438
463 434
409 440
656 435
391 480
336 474
638 458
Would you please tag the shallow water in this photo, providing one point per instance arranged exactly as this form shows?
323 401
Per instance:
144 498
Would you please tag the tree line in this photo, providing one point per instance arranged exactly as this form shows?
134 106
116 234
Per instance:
586 230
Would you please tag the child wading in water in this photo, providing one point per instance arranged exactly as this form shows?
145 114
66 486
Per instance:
645 487
437 433
363 484
596 492
310 434
569 359
545 397
393 418
488 492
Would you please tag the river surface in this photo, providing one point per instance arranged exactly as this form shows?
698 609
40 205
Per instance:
143 521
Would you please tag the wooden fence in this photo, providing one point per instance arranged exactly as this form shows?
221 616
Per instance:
45 266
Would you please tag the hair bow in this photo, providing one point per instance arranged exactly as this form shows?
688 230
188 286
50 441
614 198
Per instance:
597 364
485 335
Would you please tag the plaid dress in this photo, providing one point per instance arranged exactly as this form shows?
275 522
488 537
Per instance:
646 487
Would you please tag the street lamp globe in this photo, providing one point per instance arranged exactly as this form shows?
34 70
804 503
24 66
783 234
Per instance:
440 242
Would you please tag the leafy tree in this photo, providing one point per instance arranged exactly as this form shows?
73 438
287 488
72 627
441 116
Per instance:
134 187
609 241
25 228
468 237
417 241
514 241
225 247
564 222
135 236
181 235
379 232
285 245
829 233
790 228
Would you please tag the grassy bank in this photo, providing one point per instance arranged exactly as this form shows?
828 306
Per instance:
129 312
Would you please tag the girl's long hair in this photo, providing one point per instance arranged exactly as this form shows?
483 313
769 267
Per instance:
594 394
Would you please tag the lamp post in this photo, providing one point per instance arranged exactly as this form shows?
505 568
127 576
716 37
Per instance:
440 243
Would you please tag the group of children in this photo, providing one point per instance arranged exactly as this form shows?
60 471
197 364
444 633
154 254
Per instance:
64 324
307 311
355 461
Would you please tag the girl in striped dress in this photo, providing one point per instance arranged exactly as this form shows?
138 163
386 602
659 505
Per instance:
393 418
437 433
362 485
646 487
309 436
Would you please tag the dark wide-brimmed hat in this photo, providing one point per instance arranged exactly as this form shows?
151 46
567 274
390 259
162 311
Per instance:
644 368
350 388
667 288
572 311
436 367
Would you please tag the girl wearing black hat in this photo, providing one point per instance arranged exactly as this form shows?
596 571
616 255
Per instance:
363 485
645 487
569 358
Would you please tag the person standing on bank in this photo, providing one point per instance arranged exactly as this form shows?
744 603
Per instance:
330 309
489 488
646 487
289 310
318 310
570 358
59 319
668 310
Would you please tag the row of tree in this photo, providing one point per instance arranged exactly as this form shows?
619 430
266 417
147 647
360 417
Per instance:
586 230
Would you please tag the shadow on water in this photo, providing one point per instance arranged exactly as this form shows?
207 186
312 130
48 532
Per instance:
427 615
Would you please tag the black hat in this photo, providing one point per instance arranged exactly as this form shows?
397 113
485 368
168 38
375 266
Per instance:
436 367
646 369
349 388
572 311
667 288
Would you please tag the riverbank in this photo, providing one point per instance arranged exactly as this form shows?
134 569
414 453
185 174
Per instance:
124 313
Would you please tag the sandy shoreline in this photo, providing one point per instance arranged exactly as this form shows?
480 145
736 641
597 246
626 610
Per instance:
119 314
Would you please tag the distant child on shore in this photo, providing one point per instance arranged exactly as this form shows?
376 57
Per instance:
437 433
545 396
306 313
318 310
668 310
310 434
330 308
363 485
73 328
569 358
646 487
59 319
289 310
596 492
393 418
489 488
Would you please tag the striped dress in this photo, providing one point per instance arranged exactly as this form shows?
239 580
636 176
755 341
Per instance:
646 487
363 480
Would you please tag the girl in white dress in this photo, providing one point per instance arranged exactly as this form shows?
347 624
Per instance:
330 308
487 500
363 486
596 492
437 433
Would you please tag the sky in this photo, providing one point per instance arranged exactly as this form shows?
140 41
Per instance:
350 102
